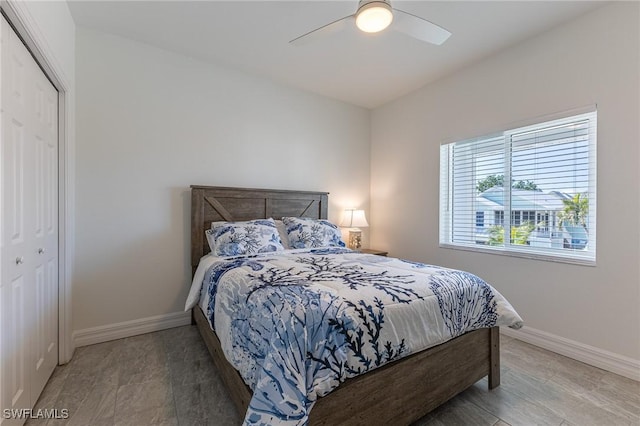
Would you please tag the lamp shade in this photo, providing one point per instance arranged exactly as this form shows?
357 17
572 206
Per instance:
354 219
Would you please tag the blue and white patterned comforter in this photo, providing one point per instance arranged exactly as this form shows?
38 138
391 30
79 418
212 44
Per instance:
297 323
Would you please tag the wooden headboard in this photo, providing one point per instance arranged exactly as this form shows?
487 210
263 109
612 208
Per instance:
215 203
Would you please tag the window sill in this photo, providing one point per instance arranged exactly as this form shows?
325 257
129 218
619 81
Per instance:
525 254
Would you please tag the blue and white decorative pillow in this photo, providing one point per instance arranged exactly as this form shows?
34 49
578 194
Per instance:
237 238
312 233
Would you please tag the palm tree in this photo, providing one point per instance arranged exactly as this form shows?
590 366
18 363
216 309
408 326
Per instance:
519 234
573 219
576 211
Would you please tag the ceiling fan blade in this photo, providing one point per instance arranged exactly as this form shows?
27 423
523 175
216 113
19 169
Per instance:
323 31
419 28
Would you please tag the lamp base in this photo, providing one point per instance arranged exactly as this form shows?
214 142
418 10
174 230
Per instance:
355 239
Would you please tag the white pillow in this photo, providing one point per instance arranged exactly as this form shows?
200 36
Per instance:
238 238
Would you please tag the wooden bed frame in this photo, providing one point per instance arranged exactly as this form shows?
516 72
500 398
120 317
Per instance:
397 393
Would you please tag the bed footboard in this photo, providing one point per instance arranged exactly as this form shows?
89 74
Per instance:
397 393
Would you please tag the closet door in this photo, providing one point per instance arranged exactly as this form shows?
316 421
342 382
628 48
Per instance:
43 128
18 273
28 232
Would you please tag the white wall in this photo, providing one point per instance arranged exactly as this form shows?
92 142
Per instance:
151 123
54 30
592 60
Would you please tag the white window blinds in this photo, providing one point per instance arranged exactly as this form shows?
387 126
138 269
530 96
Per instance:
527 191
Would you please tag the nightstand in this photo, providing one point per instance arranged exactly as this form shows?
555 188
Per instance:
372 251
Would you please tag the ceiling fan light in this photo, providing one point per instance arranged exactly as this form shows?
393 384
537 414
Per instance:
374 17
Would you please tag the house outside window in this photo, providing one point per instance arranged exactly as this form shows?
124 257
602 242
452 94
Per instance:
548 210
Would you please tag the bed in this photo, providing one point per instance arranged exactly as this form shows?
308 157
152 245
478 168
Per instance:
398 392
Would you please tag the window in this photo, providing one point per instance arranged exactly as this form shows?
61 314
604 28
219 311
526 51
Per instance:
520 217
548 209
542 222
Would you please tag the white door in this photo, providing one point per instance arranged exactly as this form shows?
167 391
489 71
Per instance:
44 230
29 225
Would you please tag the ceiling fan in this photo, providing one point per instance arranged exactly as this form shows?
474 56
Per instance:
374 16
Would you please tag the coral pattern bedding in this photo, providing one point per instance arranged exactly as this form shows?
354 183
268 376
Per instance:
297 323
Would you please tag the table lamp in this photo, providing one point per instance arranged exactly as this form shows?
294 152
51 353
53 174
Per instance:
354 220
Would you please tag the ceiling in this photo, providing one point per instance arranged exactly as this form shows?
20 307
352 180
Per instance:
362 69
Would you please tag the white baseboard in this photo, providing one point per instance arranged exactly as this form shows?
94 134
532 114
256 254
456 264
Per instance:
619 364
104 333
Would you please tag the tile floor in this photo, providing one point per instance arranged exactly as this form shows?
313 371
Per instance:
168 378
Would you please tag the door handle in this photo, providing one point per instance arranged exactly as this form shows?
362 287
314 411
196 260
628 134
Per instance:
40 250
19 260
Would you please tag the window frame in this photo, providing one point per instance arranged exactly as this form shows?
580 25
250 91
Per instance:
586 257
